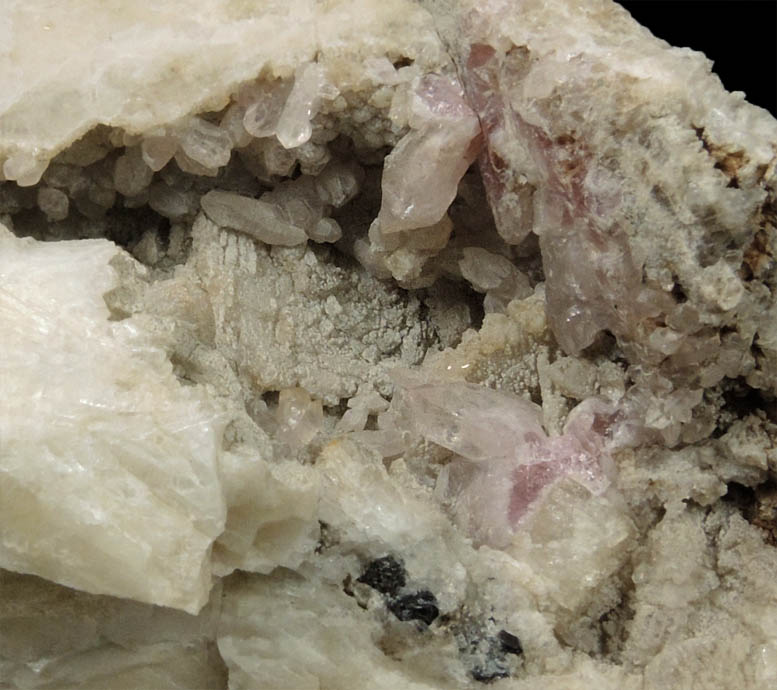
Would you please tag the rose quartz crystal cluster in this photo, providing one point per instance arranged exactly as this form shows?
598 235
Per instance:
503 458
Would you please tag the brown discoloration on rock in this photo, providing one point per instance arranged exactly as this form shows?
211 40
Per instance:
758 256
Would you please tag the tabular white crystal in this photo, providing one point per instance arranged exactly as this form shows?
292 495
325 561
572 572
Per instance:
206 143
485 270
339 182
311 84
326 230
53 202
131 175
158 151
172 203
254 217
90 406
300 417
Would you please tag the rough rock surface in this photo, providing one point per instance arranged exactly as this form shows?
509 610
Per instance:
417 344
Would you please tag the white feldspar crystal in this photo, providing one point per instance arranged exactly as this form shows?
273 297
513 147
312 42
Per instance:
272 517
131 174
158 150
326 230
254 217
306 618
132 453
55 637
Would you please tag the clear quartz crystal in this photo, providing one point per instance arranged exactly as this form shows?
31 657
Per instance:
206 143
232 124
158 150
263 106
506 459
311 85
471 420
422 173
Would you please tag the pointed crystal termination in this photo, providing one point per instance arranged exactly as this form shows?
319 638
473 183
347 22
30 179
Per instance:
591 143
263 107
311 85
473 421
421 175
514 459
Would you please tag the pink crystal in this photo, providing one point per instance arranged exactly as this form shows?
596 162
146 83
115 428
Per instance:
422 173
505 460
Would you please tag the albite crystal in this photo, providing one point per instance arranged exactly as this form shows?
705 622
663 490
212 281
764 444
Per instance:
132 453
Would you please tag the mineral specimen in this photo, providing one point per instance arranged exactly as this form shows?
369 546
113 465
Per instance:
412 344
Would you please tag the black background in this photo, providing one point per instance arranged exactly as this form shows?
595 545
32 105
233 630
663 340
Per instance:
740 36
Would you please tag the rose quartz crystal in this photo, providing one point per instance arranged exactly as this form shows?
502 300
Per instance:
504 459
422 173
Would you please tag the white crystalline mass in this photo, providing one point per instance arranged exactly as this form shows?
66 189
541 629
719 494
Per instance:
109 466
157 68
